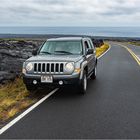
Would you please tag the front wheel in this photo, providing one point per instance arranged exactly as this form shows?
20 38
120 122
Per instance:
83 84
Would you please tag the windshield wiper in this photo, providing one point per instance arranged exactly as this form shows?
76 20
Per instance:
45 52
64 52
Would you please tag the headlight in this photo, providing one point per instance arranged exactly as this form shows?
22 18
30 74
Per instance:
69 67
29 67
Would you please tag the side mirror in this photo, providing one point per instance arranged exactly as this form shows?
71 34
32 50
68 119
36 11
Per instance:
89 51
34 52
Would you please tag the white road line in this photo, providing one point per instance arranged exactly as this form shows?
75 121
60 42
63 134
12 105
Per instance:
104 53
10 124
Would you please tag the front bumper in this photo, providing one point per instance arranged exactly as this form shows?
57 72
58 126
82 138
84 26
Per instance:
67 80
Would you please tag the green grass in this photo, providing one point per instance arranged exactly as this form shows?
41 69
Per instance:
102 49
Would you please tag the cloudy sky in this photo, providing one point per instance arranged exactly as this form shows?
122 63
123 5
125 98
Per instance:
69 12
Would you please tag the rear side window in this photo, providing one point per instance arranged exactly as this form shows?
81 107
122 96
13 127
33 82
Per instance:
88 45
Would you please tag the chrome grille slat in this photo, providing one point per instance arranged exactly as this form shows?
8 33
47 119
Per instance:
49 68
40 67
55 68
59 68
37 68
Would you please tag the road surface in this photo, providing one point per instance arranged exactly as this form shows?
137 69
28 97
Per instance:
110 109
135 49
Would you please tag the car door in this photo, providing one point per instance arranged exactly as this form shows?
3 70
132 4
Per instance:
94 52
89 57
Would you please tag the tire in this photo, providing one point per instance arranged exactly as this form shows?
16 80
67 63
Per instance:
31 88
83 84
94 74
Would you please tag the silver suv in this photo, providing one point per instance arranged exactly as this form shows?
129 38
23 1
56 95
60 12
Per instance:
61 62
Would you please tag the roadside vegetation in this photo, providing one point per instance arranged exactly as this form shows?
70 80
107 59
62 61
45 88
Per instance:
14 97
102 49
135 43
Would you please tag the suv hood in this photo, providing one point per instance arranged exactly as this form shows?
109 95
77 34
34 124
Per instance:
56 58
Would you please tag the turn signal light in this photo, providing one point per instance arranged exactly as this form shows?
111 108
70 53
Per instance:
78 70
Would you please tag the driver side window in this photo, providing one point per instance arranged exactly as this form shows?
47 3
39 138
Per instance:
86 45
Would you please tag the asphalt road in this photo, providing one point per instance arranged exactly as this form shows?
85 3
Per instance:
110 109
135 49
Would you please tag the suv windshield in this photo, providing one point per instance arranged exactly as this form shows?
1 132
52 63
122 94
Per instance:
62 47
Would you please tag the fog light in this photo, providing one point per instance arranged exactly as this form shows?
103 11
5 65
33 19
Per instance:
24 71
60 82
34 82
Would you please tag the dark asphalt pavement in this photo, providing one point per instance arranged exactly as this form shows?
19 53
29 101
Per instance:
110 109
135 49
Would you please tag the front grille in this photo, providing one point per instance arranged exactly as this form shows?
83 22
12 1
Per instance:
50 68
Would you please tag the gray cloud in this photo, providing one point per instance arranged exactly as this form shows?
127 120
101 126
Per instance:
69 12
120 11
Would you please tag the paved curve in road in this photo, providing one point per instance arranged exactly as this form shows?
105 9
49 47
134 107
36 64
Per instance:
135 49
110 109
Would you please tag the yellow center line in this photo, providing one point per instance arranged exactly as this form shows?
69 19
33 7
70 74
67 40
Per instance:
132 53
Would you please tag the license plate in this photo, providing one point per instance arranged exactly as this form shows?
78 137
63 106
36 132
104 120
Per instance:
47 79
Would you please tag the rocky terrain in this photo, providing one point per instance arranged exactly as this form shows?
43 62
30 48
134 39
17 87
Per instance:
12 55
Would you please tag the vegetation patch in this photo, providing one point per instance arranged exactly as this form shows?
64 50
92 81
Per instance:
135 43
102 49
13 99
